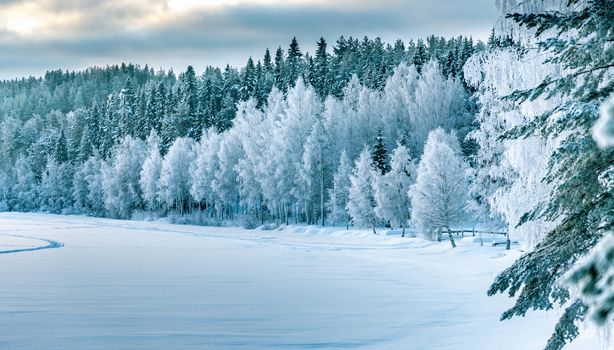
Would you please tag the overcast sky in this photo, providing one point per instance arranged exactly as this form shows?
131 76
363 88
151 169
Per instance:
41 35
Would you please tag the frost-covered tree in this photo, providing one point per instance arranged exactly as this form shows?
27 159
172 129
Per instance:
577 38
87 187
268 166
399 94
439 196
338 195
273 182
251 131
507 174
202 171
56 187
150 173
174 183
316 171
391 189
302 108
438 102
121 176
25 189
224 183
361 201
595 279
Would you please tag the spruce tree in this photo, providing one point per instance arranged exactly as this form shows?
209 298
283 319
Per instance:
293 62
581 203
61 149
380 154
189 103
280 80
267 62
126 110
248 81
320 78
420 56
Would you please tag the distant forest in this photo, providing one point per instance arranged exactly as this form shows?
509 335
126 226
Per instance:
128 99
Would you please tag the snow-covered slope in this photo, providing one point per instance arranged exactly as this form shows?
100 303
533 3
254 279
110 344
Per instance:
136 285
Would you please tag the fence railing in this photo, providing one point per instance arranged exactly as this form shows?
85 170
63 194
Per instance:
479 234
462 233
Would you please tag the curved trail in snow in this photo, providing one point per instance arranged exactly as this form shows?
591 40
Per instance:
51 244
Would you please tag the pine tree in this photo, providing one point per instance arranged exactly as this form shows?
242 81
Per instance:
380 154
94 121
294 62
61 149
86 147
492 40
248 81
320 79
582 203
188 105
420 56
126 110
141 124
267 62
280 64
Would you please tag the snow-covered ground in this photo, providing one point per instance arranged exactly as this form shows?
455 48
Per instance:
109 284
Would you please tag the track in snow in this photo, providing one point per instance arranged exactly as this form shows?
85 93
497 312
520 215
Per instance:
51 244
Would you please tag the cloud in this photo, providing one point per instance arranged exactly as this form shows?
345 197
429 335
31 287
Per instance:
37 35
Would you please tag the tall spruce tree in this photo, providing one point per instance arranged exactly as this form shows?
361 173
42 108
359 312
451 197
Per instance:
321 80
582 202
294 63
380 154
280 81
61 149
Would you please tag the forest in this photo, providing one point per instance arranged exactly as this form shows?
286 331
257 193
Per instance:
192 137
432 135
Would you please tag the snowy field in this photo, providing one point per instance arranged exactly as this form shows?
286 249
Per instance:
108 284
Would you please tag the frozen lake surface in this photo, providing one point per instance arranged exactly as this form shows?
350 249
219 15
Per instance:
110 284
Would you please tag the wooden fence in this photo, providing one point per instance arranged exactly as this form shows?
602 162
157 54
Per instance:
479 233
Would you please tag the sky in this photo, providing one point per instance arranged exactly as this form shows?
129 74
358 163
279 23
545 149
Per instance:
41 35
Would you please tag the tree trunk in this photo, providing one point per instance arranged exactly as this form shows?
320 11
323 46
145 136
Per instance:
451 238
322 196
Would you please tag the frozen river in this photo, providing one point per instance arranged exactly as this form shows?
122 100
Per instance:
108 284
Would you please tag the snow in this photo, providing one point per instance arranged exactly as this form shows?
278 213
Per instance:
152 285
